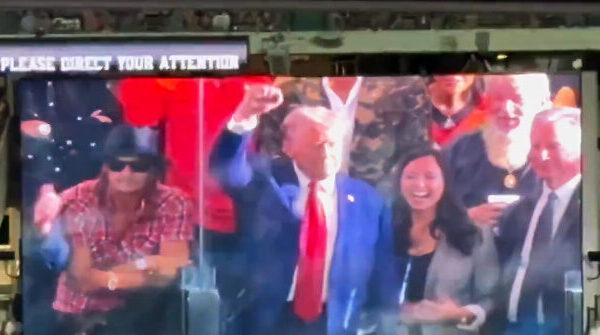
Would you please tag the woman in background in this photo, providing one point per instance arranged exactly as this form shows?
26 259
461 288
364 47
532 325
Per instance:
451 265
455 107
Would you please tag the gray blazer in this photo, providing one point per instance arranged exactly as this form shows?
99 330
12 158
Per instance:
469 280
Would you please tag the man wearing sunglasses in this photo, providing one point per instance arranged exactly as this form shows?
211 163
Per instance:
127 234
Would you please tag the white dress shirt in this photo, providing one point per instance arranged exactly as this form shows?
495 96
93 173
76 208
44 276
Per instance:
348 109
327 194
563 194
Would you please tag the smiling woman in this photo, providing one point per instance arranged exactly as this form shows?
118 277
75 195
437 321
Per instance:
438 242
422 183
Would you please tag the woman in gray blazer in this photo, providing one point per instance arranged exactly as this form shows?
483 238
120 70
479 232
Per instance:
451 267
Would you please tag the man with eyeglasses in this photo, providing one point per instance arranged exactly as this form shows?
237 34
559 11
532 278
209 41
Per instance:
127 235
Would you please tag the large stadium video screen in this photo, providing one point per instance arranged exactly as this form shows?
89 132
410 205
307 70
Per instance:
446 204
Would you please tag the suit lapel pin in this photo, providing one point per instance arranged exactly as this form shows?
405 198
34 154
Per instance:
350 198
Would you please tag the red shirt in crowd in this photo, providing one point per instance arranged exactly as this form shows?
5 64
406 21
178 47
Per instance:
177 105
473 122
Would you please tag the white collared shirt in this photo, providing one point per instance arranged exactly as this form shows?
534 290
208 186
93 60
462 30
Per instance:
328 195
348 109
563 194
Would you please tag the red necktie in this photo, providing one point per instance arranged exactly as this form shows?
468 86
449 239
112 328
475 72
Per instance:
311 264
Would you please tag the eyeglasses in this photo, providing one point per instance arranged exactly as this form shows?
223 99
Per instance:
137 165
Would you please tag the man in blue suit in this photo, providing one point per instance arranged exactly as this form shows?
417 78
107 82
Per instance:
313 251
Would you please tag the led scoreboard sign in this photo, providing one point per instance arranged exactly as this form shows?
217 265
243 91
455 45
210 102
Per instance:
122 56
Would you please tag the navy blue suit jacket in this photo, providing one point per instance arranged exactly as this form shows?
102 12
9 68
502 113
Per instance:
565 255
257 267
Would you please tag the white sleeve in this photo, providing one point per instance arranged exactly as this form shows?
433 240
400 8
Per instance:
244 126
480 317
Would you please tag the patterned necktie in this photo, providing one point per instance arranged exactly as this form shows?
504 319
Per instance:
311 262
535 277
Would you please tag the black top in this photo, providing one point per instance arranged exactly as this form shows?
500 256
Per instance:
73 151
415 279
414 283
474 177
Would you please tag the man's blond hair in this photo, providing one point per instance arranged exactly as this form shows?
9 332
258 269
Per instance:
311 116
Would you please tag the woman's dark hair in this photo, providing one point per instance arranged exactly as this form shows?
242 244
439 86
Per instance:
451 217
477 88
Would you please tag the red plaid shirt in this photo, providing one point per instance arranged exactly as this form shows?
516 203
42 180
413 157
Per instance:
88 225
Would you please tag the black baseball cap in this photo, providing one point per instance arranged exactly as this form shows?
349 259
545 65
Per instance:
129 141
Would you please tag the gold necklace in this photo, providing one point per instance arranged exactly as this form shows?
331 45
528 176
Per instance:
510 180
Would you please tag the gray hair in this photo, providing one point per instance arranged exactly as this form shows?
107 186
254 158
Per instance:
561 117
535 85
305 116
556 114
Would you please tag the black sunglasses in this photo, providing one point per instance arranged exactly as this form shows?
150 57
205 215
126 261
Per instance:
137 165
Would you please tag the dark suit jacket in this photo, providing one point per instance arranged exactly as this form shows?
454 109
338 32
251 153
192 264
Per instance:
474 177
257 267
66 104
565 254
